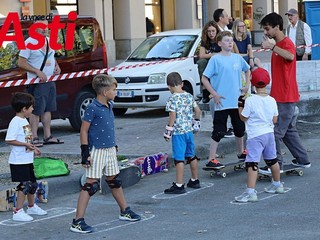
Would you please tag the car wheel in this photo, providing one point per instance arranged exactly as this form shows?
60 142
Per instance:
119 111
187 87
80 105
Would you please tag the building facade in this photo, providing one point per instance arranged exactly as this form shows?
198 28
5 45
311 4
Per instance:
123 22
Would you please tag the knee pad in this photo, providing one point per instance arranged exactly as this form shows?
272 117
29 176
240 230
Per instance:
115 182
91 188
217 136
33 188
253 165
190 159
27 187
177 162
271 162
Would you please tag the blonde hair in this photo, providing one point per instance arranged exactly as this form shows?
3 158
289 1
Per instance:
235 30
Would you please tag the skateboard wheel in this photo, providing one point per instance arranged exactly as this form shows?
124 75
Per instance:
300 173
211 174
223 174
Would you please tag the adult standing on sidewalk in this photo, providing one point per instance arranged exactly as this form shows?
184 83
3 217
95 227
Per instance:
41 63
284 89
300 34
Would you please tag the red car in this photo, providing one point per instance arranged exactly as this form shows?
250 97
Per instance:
73 95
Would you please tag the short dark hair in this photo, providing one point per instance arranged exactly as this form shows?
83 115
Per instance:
174 79
272 19
223 34
217 14
21 100
101 81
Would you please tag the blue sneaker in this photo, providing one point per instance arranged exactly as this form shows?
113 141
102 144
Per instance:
129 215
80 226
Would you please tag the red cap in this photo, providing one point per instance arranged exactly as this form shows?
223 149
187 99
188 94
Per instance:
260 78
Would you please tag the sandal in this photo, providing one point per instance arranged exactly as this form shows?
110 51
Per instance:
36 142
51 140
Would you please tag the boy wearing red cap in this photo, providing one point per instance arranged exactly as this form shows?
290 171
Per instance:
259 112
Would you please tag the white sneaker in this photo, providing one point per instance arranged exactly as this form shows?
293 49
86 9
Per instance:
246 197
35 210
274 189
21 216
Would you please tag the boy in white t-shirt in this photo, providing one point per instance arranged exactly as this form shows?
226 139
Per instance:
259 112
19 137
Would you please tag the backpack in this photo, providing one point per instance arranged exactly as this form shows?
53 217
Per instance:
49 167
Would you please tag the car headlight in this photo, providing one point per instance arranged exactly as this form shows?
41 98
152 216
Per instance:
157 78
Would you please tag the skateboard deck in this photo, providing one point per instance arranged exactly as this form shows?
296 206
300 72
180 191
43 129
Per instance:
42 192
151 164
288 169
223 171
129 175
7 199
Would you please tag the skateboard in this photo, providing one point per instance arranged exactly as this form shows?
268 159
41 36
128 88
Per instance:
42 192
129 175
152 164
223 171
7 199
288 169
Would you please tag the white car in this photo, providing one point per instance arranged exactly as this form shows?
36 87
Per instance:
142 76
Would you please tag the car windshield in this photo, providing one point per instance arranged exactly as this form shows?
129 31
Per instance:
163 47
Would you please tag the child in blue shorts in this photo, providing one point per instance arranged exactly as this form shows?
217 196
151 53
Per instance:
259 112
181 126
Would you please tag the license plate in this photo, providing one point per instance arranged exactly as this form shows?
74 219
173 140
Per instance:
125 94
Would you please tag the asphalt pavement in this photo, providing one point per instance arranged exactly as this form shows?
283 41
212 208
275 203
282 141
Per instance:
206 213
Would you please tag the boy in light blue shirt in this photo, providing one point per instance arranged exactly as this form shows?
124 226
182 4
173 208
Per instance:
224 71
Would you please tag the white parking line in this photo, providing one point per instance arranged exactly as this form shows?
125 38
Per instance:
52 213
162 195
269 195
114 224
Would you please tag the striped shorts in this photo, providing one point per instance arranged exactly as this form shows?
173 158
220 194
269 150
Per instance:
104 162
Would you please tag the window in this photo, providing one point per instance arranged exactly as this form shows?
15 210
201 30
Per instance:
9 54
83 40
153 12
63 7
164 47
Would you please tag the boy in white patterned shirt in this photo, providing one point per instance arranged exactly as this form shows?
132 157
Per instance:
181 106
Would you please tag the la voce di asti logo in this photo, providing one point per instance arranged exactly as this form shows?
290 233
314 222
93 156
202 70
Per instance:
53 26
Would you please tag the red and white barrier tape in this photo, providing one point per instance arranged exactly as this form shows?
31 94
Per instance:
65 76
301 46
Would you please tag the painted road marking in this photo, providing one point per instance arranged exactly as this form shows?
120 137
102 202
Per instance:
268 195
114 224
162 195
52 213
